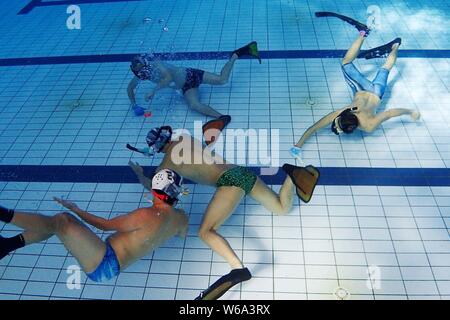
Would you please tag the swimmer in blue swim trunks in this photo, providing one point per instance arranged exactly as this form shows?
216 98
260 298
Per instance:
187 80
361 113
135 234
233 183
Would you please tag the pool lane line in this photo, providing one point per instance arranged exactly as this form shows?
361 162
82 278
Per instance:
39 3
223 55
354 176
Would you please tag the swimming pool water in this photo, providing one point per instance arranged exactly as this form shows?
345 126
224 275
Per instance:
382 207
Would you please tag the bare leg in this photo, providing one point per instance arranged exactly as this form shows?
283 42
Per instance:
31 237
278 204
34 222
392 58
353 52
224 202
192 98
80 241
215 79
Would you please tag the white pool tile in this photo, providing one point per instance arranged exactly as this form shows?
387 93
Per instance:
318 247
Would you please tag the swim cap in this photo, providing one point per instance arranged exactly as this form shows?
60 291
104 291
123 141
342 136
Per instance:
141 66
157 138
346 122
167 186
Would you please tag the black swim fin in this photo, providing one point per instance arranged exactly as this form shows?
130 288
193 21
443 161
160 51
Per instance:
225 283
3 251
250 49
358 25
304 178
212 129
381 51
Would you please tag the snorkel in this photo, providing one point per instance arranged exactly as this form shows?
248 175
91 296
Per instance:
157 139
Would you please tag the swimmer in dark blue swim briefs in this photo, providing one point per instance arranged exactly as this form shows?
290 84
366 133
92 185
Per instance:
136 233
187 80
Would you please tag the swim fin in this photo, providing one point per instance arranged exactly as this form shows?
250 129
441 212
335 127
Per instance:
304 178
3 251
225 283
358 25
250 49
213 128
8 245
381 51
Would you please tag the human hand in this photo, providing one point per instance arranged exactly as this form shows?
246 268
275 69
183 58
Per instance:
415 115
296 152
67 204
138 110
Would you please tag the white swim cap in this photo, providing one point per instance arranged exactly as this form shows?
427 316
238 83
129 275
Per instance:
167 186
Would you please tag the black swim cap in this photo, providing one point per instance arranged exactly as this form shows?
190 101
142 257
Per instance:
346 122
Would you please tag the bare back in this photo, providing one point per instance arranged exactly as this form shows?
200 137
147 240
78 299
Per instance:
367 104
178 74
189 158
156 226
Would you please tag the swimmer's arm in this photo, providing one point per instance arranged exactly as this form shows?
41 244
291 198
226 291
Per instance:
317 126
130 90
139 171
386 115
121 223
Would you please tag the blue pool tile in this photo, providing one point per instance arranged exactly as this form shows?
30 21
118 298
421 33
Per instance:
128 293
159 294
12 286
38 288
97 292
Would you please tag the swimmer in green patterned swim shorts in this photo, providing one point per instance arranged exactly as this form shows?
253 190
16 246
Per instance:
239 177
233 183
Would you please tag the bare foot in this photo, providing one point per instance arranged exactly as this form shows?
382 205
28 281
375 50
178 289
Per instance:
415 115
